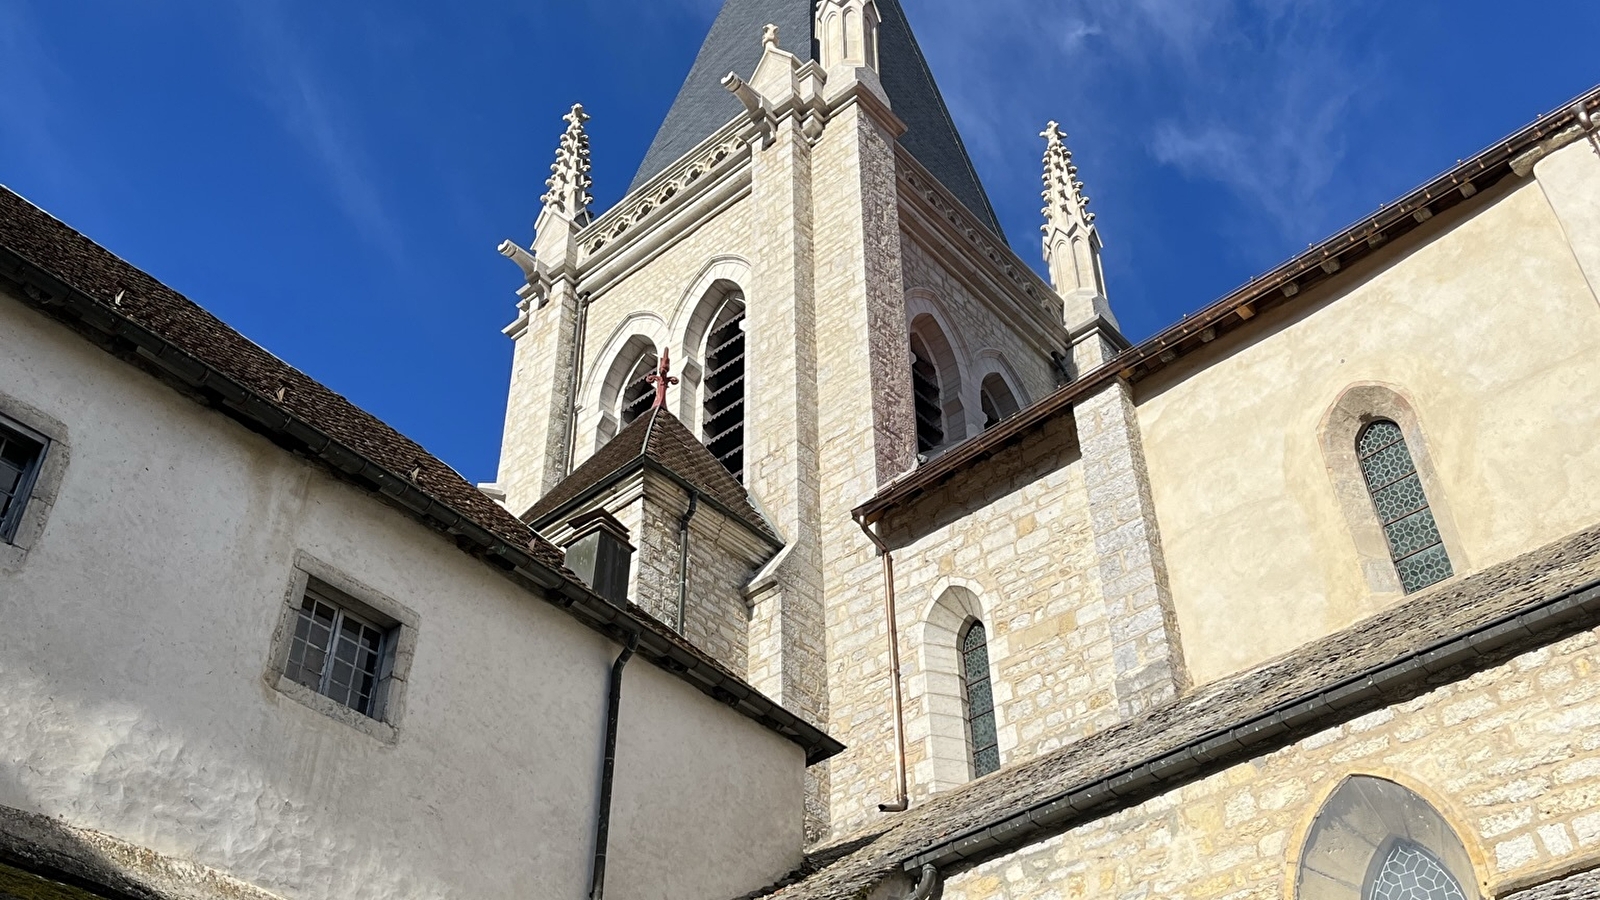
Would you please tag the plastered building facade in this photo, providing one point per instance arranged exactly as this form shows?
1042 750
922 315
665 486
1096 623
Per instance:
947 587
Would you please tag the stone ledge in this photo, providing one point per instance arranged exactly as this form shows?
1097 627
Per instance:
46 858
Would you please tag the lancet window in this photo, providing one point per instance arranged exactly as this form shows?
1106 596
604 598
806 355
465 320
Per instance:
637 393
724 388
998 401
982 735
925 392
1402 507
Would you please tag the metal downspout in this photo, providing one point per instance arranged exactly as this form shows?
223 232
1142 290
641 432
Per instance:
683 556
896 699
924 888
608 769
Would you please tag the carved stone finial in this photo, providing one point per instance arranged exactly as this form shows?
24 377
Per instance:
569 180
1064 202
1071 241
662 378
769 37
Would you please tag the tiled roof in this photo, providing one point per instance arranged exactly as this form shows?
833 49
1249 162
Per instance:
41 239
703 105
1450 609
111 302
655 437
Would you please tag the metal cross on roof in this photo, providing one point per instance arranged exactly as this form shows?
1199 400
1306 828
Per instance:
662 379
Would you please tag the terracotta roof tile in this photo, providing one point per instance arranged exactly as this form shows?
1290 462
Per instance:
48 243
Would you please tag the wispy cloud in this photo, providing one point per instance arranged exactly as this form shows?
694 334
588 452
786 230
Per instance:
1252 95
314 116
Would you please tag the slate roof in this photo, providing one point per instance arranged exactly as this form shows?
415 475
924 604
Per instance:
1451 609
734 45
656 437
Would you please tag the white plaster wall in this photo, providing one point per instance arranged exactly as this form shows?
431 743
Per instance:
132 700
1486 323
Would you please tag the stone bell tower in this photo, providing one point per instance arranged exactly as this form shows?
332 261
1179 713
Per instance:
805 205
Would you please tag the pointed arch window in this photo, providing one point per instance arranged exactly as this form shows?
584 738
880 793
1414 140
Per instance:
724 390
1374 839
925 393
1415 544
637 393
982 735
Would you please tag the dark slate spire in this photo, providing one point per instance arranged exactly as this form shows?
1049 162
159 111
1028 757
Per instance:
734 45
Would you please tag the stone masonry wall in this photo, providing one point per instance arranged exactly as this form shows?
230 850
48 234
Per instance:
977 330
1148 656
866 427
1018 539
652 301
1510 757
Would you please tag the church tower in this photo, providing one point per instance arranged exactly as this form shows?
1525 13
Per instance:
808 239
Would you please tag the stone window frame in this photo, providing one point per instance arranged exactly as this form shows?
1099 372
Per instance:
366 602
1376 819
1358 406
947 747
723 275
49 475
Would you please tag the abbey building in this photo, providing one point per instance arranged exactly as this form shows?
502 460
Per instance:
834 553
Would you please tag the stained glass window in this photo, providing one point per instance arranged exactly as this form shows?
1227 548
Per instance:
20 455
1397 496
1409 872
981 730
338 655
725 387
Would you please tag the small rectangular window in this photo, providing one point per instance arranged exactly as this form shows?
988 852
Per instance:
21 452
342 654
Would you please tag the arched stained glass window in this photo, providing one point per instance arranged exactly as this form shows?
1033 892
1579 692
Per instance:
725 386
1374 839
1408 872
981 731
1397 496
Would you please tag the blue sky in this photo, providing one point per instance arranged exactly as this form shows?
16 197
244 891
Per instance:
332 178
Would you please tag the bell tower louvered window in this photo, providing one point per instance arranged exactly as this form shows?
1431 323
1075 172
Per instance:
1397 496
925 392
982 736
638 393
724 391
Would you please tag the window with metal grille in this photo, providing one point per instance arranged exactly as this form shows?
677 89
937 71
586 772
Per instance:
340 654
21 452
724 389
926 396
1410 872
982 736
1397 496
638 394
